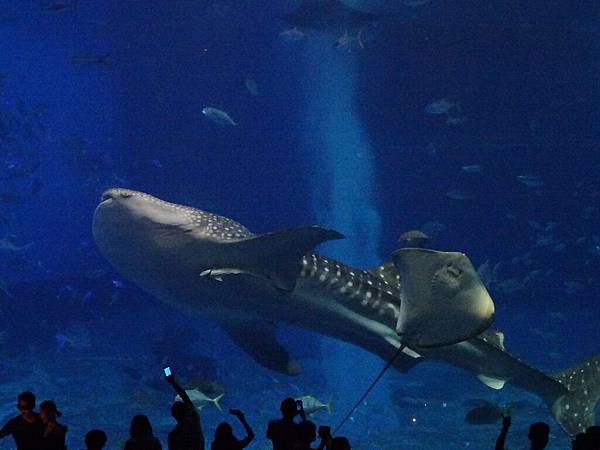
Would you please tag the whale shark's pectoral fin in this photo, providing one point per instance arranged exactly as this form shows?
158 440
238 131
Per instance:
258 340
276 256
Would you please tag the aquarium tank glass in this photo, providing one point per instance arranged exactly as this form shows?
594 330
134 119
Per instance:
387 209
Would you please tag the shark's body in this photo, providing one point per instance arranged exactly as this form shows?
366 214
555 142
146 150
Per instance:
156 244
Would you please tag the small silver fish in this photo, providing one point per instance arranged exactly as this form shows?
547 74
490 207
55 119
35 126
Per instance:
252 86
473 168
218 116
311 405
201 400
293 34
442 106
532 181
457 194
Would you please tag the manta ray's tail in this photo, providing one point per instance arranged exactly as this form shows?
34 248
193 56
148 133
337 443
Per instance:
576 410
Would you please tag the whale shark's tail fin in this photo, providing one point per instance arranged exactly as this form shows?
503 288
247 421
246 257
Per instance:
576 410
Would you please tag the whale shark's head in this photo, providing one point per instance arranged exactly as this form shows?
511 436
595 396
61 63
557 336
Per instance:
134 228
125 214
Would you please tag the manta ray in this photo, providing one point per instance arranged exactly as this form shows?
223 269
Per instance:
422 305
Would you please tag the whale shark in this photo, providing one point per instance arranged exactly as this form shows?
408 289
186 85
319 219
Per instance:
422 305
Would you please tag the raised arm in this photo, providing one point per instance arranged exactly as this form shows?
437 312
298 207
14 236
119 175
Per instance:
249 433
6 429
180 391
502 436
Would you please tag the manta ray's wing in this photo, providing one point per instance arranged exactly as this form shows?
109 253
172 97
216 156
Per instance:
258 339
276 257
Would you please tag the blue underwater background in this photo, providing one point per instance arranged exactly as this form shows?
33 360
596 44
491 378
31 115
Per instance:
98 94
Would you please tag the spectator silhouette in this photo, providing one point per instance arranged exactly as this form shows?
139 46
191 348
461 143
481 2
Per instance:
538 434
141 435
325 436
592 438
187 434
579 443
224 438
54 432
339 443
95 440
284 432
307 433
27 428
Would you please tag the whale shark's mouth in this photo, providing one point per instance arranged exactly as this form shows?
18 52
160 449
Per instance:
114 193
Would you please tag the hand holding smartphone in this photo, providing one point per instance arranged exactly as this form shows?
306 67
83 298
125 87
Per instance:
324 432
168 373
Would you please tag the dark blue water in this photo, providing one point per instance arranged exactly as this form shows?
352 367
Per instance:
111 94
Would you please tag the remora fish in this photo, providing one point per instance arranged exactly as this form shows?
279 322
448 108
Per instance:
164 247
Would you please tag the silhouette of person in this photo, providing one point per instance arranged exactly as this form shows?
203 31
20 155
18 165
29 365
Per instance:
95 440
187 434
54 432
579 443
224 438
27 428
307 433
539 433
141 435
325 436
339 443
592 438
283 433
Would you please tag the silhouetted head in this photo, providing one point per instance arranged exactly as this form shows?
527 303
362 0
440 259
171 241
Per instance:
140 428
307 433
95 439
224 437
340 443
288 408
538 435
179 411
26 402
48 411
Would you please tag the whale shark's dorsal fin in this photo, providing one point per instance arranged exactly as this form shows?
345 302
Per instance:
443 301
276 256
